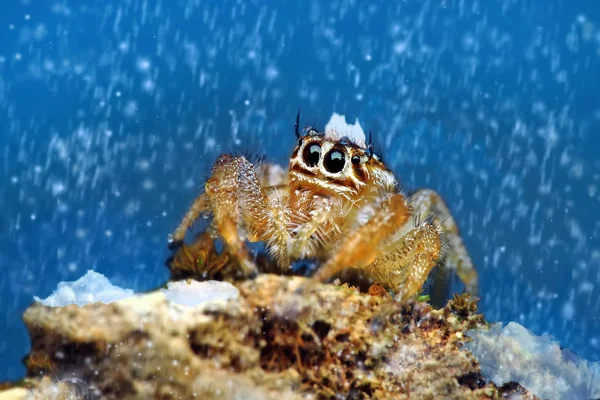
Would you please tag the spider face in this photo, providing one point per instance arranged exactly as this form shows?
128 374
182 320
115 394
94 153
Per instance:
328 163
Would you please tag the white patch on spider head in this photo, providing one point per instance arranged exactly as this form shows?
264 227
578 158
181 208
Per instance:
337 128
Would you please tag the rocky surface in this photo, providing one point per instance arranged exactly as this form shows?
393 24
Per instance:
273 341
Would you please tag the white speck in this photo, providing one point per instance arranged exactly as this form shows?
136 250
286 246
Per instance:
33 217
577 170
49 65
131 208
130 108
568 310
18 56
118 94
148 184
11 27
368 57
143 164
210 143
148 85
143 64
14 180
58 188
271 73
27 17
247 102
60 9
586 287
400 47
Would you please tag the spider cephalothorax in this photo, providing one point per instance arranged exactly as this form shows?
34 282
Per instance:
338 203
338 166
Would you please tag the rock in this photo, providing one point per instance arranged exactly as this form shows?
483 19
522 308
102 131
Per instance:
271 341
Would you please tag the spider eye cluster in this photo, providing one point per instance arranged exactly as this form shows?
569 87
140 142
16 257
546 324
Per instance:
334 160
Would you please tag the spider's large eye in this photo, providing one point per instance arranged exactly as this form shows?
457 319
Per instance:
311 154
334 161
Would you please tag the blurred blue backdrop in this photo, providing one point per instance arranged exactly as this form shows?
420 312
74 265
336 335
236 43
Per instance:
111 113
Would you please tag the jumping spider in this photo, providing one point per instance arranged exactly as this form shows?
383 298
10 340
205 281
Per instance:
338 204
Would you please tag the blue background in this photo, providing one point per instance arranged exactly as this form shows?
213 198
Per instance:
111 113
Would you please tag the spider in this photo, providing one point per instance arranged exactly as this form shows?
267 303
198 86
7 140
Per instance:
339 204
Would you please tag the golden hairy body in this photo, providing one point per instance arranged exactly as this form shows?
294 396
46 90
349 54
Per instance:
338 203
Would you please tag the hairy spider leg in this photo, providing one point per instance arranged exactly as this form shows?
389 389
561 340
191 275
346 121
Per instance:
198 207
429 205
405 263
237 201
313 223
240 210
362 246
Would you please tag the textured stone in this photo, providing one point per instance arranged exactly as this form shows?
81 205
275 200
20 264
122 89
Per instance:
273 341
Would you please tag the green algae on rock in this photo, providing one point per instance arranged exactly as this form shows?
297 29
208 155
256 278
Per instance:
328 342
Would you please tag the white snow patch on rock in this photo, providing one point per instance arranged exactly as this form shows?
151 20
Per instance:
90 288
94 287
337 127
513 353
194 293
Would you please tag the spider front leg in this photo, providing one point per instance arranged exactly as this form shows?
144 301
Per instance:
427 204
362 247
239 207
403 264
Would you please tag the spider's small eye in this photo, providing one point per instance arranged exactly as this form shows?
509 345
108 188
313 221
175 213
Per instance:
311 154
334 161
355 160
